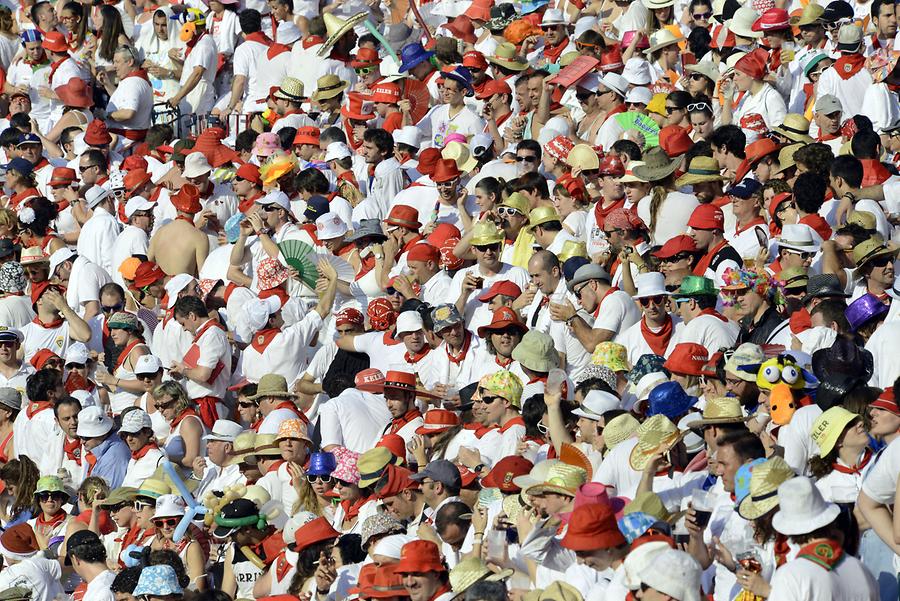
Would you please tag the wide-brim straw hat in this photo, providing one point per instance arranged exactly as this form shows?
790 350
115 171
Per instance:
720 410
472 570
242 448
562 479
657 166
329 86
661 39
764 482
272 385
337 27
701 169
656 435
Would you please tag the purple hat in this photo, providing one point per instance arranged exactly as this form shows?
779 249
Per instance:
863 309
321 464
461 75
670 399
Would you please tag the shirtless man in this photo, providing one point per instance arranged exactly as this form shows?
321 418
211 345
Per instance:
180 246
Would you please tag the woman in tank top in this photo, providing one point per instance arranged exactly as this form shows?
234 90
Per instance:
126 332
144 371
169 512
183 445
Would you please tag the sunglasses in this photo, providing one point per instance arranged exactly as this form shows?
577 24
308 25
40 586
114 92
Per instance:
140 505
164 406
448 184
339 482
784 207
583 45
112 308
655 300
117 507
527 159
802 255
486 247
314 479
638 104
578 291
54 363
508 331
364 70
697 77
702 16
672 109
85 167
75 365
508 212
148 377
675 258
166 522
246 404
617 230
882 261
582 96
271 208
46 496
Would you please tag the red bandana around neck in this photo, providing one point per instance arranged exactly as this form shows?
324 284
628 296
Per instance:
461 356
824 553
658 341
143 452
263 338
849 65
855 469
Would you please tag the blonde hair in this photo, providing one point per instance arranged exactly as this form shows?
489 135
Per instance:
174 390
9 219
91 488
306 499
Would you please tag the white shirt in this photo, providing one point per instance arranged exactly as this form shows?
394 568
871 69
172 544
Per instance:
141 469
248 57
286 354
883 346
382 349
437 368
477 313
38 337
15 311
767 103
204 54
98 236
216 478
710 332
671 218
99 588
38 574
616 470
132 241
880 482
437 290
353 419
133 93
86 280
849 91
214 350
437 124
803 580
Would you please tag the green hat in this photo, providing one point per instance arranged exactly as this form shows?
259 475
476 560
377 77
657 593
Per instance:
16 593
50 484
536 352
695 285
123 494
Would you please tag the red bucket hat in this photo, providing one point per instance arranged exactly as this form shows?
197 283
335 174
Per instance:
209 142
135 179
187 199
307 135
420 556
675 141
445 170
97 134
687 358
313 532
386 91
54 41
366 57
593 527
397 480
404 216
475 59
502 318
436 421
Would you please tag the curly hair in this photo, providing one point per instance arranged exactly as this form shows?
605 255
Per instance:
91 488
168 557
817 158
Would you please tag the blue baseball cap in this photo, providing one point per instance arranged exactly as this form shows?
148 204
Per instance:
19 164
316 206
745 189
28 139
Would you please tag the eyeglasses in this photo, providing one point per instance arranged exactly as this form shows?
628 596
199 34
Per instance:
801 254
47 496
702 16
882 261
784 207
648 300
164 406
672 109
166 522
527 159
314 479
84 168
583 45
578 291
508 212
483 248
112 308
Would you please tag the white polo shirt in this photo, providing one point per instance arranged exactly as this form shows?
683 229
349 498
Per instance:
353 419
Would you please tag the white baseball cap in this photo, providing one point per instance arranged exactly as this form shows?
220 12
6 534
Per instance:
147 364
76 353
137 203
59 257
95 195
173 286
409 321
339 150
224 430
93 423
276 197
134 421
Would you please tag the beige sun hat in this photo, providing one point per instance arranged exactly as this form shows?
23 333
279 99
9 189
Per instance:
460 153
243 448
472 570
662 38
336 27
619 429
562 479
583 157
657 166
506 56
764 482
656 435
718 410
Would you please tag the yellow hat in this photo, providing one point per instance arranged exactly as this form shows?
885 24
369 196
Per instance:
560 591
811 13
658 104
460 153
764 482
583 157
829 426
864 219
720 410
153 488
486 232
650 503
570 249
517 201
336 27
619 429
504 384
372 463
541 215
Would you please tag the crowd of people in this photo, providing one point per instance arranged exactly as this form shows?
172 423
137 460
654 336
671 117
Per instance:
453 300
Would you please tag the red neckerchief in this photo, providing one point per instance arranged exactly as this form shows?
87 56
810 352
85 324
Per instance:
123 356
415 358
600 213
876 43
248 202
741 229
73 450
276 49
40 164
292 408
874 172
388 339
48 325
415 240
280 292
146 449
856 469
263 338
91 460
782 548
552 53
706 259
282 567
440 591
600 304
229 290
185 218
479 430
260 38
516 421
825 553
503 362
274 467
56 65
658 341
714 313
351 511
312 41
53 522
310 228
398 422
849 65
192 43
139 73
816 222
182 415
461 356
615 266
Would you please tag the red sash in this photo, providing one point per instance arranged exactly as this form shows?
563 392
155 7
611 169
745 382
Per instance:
826 554
143 452
123 356
263 338
704 262
193 354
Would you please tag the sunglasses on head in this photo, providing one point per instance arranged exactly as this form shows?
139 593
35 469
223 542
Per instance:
314 479
166 522
656 300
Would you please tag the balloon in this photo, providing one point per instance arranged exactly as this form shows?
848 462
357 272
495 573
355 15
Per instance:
193 508
384 43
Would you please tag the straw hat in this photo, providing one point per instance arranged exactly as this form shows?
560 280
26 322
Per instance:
562 479
242 448
265 445
869 249
650 503
336 27
272 385
329 86
764 482
719 410
795 127
619 429
661 39
471 570
657 166
506 56
810 15
701 169
656 435
461 154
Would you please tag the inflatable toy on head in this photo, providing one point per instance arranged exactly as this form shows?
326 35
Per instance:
781 376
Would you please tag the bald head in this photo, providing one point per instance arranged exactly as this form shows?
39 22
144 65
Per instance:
543 267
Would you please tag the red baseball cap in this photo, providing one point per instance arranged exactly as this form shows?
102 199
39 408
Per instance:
504 287
249 172
473 58
676 245
707 217
687 358
492 88
423 252
419 556
503 473
593 527
886 401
